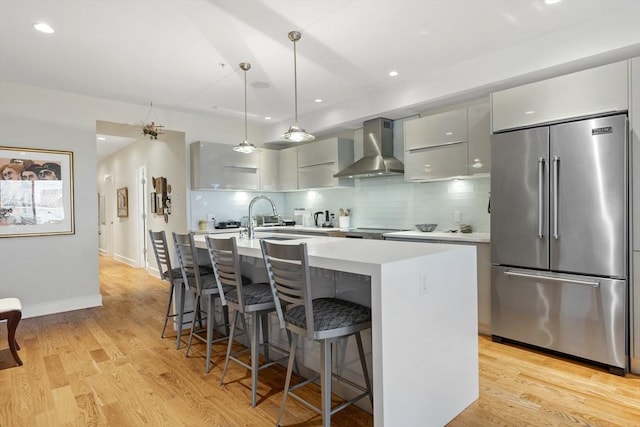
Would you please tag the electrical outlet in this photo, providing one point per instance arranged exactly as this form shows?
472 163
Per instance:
456 216
211 217
423 284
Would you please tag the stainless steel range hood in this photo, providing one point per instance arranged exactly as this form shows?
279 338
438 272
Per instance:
378 152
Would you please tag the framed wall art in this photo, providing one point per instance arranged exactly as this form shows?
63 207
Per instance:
36 192
122 196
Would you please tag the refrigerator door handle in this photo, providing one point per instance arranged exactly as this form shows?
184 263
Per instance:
593 283
540 197
556 165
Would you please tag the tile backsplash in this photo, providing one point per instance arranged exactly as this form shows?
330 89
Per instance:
383 202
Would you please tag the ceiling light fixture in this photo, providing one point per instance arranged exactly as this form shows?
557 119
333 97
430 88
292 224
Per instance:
296 133
245 146
393 73
43 27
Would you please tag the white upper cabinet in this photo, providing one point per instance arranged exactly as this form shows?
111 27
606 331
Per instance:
449 144
634 126
438 129
479 123
269 169
319 160
288 169
216 166
595 91
444 161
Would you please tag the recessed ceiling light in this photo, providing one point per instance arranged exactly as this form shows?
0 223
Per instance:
102 138
43 27
267 118
393 73
318 100
529 112
552 1
449 133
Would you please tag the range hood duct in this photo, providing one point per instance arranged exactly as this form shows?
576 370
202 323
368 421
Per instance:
378 152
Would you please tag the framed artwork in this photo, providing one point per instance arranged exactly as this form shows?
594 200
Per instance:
36 192
122 196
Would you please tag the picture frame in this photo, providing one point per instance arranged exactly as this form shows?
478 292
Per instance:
122 197
153 207
36 192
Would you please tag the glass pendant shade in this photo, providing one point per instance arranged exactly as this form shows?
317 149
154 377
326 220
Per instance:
296 133
245 146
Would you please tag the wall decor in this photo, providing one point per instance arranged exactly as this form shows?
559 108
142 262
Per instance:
163 200
123 202
36 192
153 207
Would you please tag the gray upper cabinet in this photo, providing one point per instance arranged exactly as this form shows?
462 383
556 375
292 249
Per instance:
598 90
269 170
479 123
216 166
288 169
319 160
449 144
438 129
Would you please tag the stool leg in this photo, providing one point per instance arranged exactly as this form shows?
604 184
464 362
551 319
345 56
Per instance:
181 315
287 383
169 301
255 351
364 367
211 324
325 381
234 321
12 324
264 321
193 326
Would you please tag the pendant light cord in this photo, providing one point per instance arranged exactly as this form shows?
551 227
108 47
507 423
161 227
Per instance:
295 83
245 105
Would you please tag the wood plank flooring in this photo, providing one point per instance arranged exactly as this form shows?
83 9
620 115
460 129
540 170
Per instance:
108 366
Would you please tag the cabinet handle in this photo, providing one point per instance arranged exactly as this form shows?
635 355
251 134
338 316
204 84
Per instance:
593 283
434 146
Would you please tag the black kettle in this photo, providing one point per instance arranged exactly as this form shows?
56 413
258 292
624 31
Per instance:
318 218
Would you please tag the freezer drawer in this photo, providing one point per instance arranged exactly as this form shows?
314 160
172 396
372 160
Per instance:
578 315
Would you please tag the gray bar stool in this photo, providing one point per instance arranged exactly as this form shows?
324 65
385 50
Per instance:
254 299
200 285
325 320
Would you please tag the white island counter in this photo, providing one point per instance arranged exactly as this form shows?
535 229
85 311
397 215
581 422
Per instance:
424 328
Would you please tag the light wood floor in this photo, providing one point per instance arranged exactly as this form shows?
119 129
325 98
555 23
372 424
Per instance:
109 366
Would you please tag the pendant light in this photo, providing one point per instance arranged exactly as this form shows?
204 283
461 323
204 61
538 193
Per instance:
245 146
296 133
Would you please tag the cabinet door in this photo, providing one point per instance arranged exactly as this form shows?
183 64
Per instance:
318 152
217 166
317 176
289 169
437 129
585 93
479 138
445 161
269 170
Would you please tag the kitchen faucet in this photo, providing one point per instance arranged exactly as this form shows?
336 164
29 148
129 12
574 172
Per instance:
255 199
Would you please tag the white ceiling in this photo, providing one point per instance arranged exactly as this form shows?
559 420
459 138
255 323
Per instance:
184 55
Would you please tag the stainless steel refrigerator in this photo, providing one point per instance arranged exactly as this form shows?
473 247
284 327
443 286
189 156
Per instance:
559 238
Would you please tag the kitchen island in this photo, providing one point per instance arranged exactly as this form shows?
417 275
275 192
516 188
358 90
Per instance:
424 328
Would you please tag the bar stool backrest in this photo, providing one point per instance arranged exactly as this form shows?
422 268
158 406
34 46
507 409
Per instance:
187 257
161 251
288 270
226 266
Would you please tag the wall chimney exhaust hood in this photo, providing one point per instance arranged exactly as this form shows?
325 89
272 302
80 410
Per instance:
378 157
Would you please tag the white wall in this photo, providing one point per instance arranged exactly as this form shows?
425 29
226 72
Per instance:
59 273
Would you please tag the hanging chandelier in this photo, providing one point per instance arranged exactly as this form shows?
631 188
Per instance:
150 128
245 146
296 133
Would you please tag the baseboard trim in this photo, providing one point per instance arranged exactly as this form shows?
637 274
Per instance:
123 259
60 306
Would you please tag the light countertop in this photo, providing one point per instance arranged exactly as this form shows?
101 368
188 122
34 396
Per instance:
441 235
